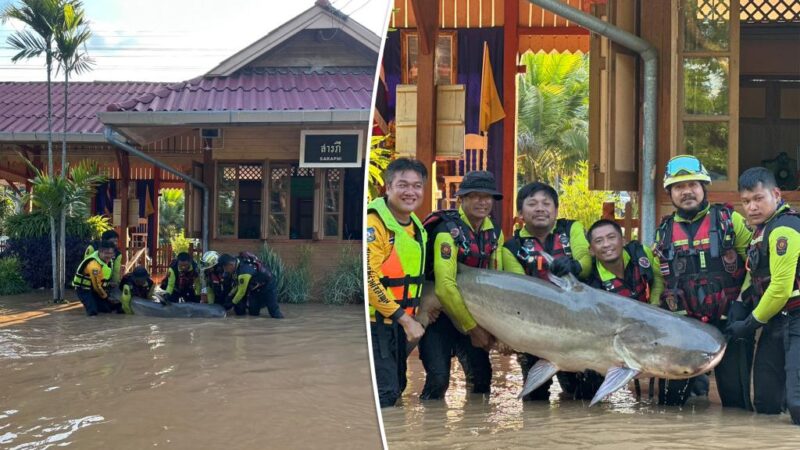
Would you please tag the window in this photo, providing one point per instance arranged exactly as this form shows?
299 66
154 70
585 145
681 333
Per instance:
332 213
708 52
446 68
239 190
291 202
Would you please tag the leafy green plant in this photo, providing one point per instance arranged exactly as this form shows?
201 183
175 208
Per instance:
170 214
577 202
36 224
297 279
345 284
180 243
381 153
11 280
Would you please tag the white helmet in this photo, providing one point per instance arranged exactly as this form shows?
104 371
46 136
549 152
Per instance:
209 259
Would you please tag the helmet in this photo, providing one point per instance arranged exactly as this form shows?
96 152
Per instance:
685 168
209 259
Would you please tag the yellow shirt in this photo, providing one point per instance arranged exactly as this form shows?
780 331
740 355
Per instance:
577 243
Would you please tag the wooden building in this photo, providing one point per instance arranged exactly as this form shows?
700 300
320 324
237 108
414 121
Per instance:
728 85
277 133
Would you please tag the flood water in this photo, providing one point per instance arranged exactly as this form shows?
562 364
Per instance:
499 420
130 382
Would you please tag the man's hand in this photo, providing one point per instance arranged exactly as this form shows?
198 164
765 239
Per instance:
481 338
742 328
433 314
413 329
562 266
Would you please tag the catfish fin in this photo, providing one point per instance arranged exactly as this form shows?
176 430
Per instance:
542 371
616 378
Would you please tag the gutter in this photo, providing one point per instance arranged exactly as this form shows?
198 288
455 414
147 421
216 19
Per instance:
111 137
36 136
194 118
650 57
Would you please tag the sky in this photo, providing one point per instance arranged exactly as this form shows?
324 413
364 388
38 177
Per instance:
174 40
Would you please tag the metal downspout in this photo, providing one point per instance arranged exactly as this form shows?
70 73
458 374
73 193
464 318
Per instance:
650 57
109 135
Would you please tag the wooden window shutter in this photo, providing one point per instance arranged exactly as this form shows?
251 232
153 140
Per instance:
613 104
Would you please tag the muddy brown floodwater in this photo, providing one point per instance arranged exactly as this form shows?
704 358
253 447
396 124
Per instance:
499 420
129 382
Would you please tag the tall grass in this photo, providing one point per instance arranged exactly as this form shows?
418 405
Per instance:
345 284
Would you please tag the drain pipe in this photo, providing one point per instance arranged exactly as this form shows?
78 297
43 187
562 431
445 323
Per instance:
124 146
650 57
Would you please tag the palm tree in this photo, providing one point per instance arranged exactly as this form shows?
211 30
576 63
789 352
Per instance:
54 194
41 16
553 115
71 35
170 214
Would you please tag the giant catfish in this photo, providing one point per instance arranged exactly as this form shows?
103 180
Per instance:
573 327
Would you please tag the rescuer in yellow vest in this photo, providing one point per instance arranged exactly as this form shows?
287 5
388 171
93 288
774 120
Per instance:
92 280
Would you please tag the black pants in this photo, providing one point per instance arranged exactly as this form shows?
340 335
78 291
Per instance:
389 355
257 299
578 385
732 375
776 372
188 296
437 347
93 304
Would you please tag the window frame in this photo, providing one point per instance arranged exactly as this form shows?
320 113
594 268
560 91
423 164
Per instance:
235 164
732 117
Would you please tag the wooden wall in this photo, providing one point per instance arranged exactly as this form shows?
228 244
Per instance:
318 48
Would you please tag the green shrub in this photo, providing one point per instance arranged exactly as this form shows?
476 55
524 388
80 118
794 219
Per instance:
37 224
180 243
297 279
11 281
345 284
577 202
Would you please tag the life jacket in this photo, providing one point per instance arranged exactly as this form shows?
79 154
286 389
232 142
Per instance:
184 281
83 281
251 260
528 249
702 273
136 290
758 258
219 284
474 248
402 273
637 279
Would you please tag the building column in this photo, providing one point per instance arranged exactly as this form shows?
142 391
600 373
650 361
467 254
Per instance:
508 171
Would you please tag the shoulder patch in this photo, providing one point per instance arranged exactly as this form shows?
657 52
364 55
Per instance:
644 262
781 245
446 251
370 234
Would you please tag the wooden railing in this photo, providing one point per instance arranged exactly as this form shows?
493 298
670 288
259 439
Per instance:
627 221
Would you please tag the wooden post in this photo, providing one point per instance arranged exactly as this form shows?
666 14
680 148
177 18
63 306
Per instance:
122 194
427 15
153 234
507 172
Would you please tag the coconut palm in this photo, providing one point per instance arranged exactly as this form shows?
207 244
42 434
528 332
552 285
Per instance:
553 115
71 35
40 16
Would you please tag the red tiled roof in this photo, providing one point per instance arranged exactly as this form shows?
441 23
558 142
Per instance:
262 90
23 106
